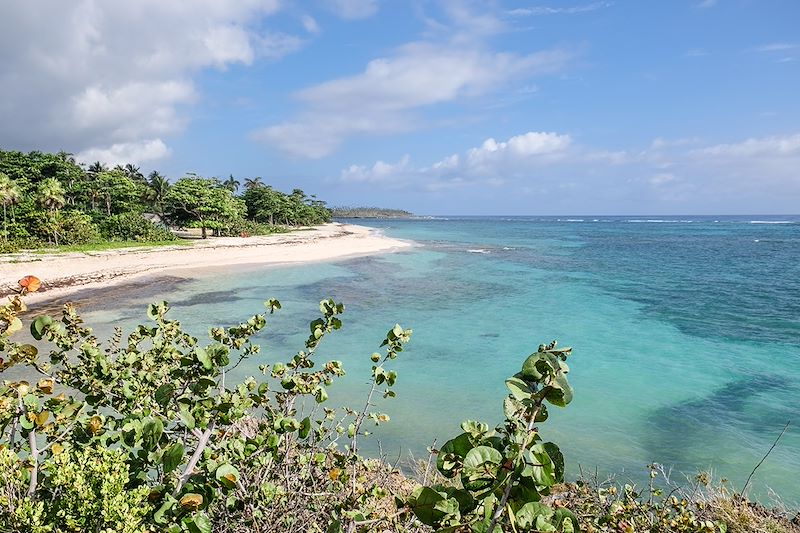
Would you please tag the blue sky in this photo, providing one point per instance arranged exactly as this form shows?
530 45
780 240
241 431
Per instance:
440 107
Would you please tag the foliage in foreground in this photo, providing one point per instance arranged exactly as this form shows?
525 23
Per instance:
158 401
505 472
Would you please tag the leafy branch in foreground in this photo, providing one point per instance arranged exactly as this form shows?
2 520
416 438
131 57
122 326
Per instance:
503 473
172 442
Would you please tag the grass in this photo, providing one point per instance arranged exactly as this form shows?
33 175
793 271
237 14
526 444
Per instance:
109 245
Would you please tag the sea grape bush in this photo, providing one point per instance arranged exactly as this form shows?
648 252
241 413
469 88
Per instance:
146 426
503 473
145 432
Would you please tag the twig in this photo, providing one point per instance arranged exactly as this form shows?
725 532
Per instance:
746 483
35 460
198 452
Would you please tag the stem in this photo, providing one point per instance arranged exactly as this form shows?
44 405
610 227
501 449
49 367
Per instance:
35 460
765 457
507 492
198 452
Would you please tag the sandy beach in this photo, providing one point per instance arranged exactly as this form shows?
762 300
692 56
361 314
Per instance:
66 273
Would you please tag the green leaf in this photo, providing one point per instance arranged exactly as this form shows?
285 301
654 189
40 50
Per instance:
529 514
558 460
519 389
187 418
164 393
531 369
199 523
451 456
566 521
203 358
173 457
424 506
305 428
38 326
227 474
481 466
152 429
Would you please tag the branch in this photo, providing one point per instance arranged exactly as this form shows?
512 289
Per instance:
765 457
198 452
35 460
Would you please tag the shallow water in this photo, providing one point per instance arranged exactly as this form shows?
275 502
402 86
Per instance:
686 332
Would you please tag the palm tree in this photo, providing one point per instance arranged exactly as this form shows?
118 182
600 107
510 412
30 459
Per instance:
9 196
232 184
133 172
158 189
252 183
51 197
96 168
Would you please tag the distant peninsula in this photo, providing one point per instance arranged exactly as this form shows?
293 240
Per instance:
369 212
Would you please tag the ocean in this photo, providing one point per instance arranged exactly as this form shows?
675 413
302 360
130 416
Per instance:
685 330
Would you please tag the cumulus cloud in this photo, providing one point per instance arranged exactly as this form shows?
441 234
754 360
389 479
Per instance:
112 76
686 174
384 97
122 153
488 163
379 172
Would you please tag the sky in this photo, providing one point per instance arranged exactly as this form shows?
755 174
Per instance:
438 107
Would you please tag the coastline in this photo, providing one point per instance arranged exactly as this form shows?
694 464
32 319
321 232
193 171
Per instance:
68 273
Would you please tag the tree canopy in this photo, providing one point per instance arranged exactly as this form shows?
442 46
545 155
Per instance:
49 198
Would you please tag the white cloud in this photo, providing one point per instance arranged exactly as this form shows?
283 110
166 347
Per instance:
662 178
684 174
86 74
122 153
490 163
548 10
379 172
353 9
777 47
310 24
778 146
384 97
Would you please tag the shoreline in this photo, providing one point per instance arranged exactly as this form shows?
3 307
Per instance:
68 273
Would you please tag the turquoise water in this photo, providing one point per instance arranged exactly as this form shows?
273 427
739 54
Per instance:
686 332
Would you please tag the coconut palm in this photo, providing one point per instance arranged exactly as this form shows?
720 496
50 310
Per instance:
51 197
96 168
9 196
252 183
133 172
232 184
158 189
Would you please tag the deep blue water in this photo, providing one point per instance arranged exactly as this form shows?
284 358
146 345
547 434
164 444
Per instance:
686 332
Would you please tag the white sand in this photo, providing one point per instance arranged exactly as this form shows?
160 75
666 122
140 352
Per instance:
66 273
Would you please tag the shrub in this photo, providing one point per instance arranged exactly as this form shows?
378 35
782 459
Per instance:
134 227
77 228
245 228
159 397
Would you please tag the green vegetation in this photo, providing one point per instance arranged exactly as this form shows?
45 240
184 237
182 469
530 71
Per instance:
143 433
505 472
49 199
369 212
